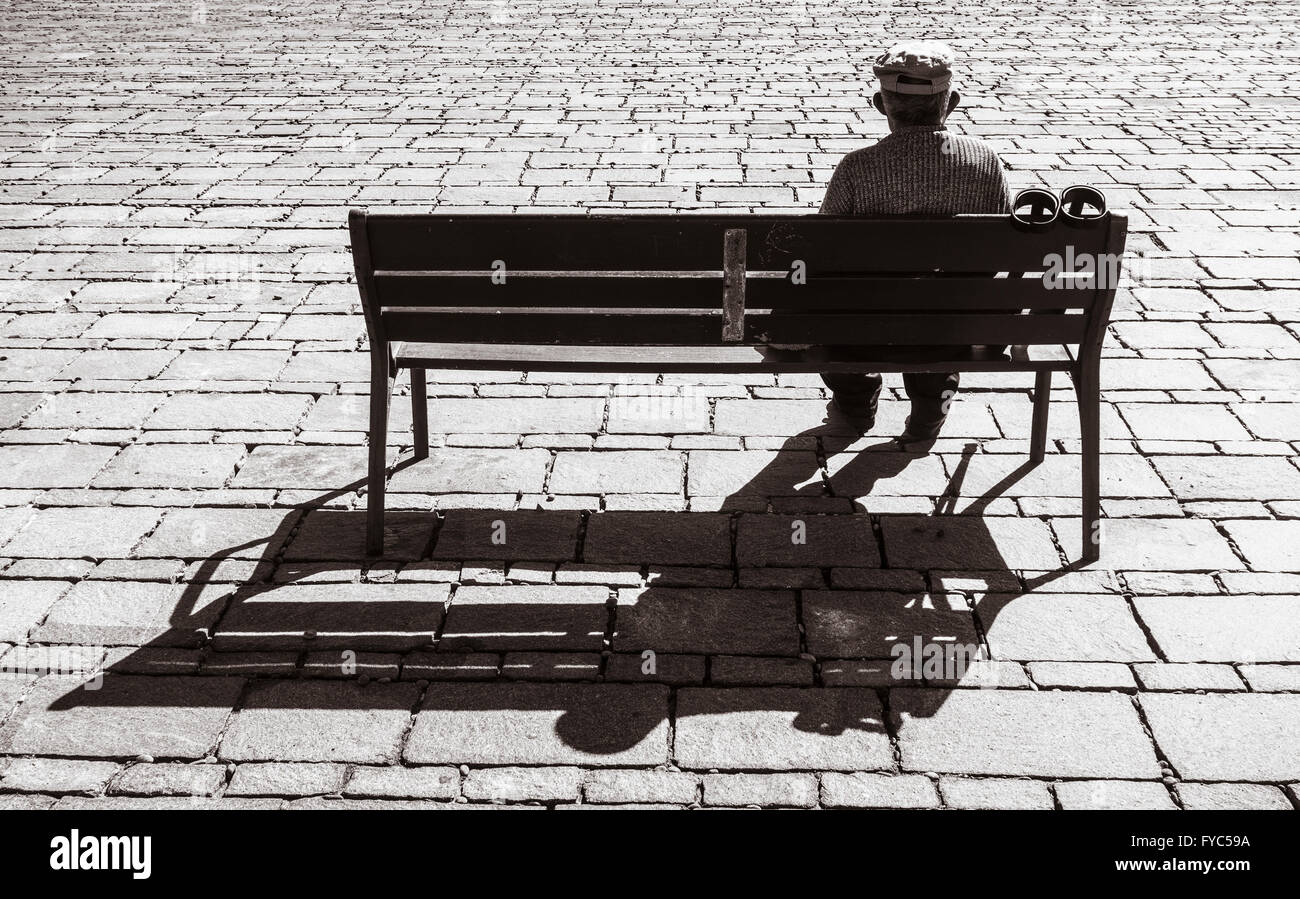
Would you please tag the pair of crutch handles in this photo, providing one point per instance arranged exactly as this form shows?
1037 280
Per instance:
1038 208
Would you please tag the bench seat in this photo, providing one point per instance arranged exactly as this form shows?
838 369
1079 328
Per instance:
729 359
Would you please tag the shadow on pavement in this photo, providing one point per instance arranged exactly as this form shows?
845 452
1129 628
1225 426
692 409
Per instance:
732 584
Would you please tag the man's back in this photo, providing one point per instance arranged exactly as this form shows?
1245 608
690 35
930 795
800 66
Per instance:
919 170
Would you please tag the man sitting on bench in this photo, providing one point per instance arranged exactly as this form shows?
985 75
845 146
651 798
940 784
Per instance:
920 168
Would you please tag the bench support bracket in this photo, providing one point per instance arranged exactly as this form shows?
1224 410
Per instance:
733 285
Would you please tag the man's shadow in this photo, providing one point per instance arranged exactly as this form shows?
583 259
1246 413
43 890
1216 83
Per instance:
792 565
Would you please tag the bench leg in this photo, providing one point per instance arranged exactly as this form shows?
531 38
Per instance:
1088 390
1042 402
381 391
420 413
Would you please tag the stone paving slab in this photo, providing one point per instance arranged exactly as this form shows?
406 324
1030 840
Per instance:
1223 736
169 779
24 604
762 790
1062 627
525 617
1215 797
658 539
815 541
994 793
541 724
336 536
1018 733
231 533
851 623
1224 628
403 783
524 535
781 729
163 717
969 543
641 786
75 533
469 470
132 613
339 617
661 619
315 721
1267 545
67 776
1155 544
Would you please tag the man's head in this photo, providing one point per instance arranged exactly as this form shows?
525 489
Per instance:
915 84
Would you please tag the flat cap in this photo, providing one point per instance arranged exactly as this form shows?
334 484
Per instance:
925 65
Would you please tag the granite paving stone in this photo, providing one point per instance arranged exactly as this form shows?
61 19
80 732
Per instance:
320 721
1227 736
1223 628
1230 796
673 620
335 617
1062 627
781 729
24 604
867 790
526 534
813 540
58 776
1267 545
468 470
632 785
1113 794
658 539
967 542
994 793
547 617
133 613
169 779
163 717
83 532
541 724
392 782
62 465
1021 733
881 625
617 472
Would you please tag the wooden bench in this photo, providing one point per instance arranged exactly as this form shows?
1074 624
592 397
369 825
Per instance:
710 293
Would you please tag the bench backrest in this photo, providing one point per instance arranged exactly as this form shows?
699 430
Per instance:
726 279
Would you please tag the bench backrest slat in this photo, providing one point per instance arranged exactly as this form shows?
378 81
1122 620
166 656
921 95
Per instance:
647 327
900 294
426 289
986 243
545 242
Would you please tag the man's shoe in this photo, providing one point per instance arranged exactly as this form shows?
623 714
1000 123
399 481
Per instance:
863 417
923 432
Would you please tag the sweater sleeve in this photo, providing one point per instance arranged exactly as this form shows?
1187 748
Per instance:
999 200
839 193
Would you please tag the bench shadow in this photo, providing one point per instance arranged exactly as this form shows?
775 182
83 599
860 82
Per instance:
792 581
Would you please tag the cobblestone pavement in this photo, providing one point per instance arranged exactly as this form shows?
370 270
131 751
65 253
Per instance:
184 392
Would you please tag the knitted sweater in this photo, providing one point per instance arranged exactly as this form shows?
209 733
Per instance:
919 170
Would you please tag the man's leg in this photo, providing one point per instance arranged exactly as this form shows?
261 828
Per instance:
855 395
931 394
